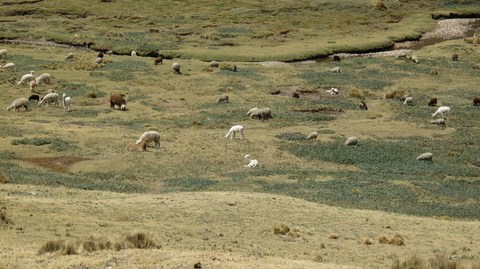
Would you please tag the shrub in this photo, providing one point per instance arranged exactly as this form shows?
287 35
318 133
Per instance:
396 94
4 219
281 229
52 246
140 240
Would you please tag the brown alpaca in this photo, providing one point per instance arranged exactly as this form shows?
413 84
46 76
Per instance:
142 146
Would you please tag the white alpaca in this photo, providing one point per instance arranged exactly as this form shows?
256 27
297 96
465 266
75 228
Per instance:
9 66
67 102
442 111
26 78
252 163
235 129
333 91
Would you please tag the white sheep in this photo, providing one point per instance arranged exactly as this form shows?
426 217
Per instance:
351 141
214 64
312 136
336 69
48 98
235 129
70 56
440 122
223 98
150 136
260 113
333 91
99 60
67 102
252 163
176 68
442 111
427 156
18 103
414 59
26 78
3 53
43 78
133 53
408 100
33 85
8 66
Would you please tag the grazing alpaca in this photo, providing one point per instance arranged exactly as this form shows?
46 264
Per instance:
455 57
333 91
336 69
295 95
476 101
363 106
235 129
118 100
442 111
159 59
433 102
336 58
252 163
150 136
26 78
408 100
137 147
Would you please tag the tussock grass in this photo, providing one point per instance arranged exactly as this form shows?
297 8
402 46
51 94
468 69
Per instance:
439 261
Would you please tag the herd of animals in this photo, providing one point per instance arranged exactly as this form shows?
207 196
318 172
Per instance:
142 143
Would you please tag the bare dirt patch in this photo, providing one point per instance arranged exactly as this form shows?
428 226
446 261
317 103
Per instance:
56 164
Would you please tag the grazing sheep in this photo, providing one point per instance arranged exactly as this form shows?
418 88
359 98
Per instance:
312 136
70 56
98 60
18 103
133 53
260 113
455 57
49 98
33 85
142 146
214 64
439 122
223 98
252 164
8 66
363 105
476 101
336 69
295 95
235 129
26 78
159 59
351 141
432 102
118 100
442 111
333 91
150 136
427 156
43 78
408 100
336 58
414 59
3 53
67 102
34 97
176 68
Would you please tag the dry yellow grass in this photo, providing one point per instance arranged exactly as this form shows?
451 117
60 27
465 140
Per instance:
219 229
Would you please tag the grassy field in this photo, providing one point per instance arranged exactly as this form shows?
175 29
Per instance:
67 180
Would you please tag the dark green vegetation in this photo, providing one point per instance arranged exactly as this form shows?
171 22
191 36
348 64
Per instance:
228 30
